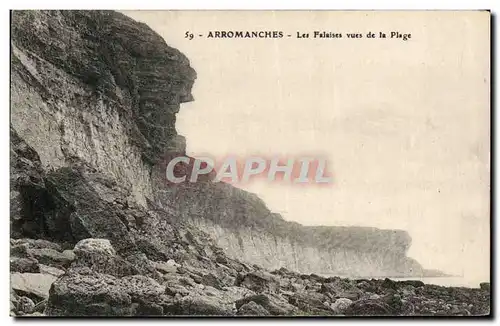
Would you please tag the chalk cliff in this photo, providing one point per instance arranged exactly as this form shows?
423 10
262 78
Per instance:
246 229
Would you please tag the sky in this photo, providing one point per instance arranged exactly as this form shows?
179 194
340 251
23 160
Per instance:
404 125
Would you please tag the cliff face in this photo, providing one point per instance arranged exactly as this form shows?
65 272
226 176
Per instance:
96 87
94 97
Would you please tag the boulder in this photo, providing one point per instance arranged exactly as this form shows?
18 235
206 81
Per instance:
340 305
25 306
19 250
485 286
35 314
166 267
94 249
82 292
259 281
413 283
389 284
194 304
69 253
24 265
37 243
173 289
50 257
32 283
310 302
273 304
368 307
14 300
44 269
390 304
100 256
252 309
212 280
16 206
140 287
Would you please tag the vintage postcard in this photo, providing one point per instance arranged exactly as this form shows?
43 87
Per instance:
250 163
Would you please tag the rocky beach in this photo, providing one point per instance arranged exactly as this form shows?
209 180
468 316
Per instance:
95 230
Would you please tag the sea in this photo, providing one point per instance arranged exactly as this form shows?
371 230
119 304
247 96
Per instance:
454 281
448 281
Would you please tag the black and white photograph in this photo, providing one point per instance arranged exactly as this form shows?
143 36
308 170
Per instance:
271 163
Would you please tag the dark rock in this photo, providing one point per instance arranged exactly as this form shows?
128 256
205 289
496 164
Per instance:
336 288
40 306
25 305
140 287
27 189
14 300
259 281
16 206
93 217
414 283
389 284
83 292
329 288
51 257
273 304
35 314
485 286
167 267
88 294
310 302
101 257
341 305
20 250
221 259
252 309
368 307
316 278
199 305
387 305
37 244
173 289
138 263
196 278
212 280
149 309
349 295
260 299
24 265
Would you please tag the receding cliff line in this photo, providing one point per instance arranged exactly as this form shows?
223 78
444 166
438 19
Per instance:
246 229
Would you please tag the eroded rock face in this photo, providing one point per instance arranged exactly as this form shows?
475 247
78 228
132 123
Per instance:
99 87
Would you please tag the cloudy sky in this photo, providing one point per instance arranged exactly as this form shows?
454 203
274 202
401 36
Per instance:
404 124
